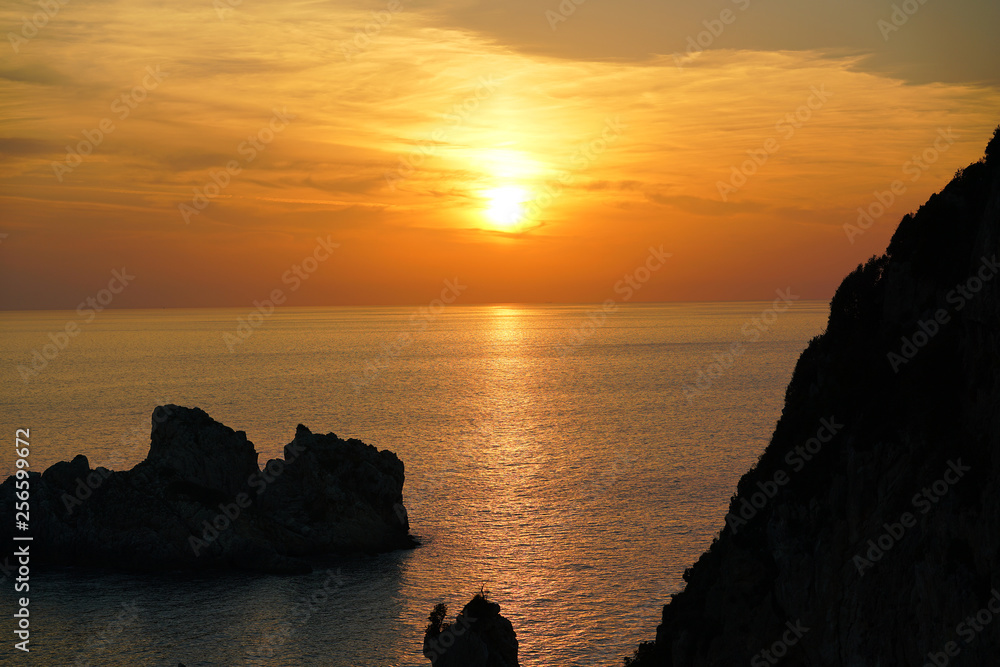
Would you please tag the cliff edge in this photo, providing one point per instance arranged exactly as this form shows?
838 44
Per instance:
868 533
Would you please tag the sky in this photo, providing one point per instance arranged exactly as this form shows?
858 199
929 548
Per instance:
363 153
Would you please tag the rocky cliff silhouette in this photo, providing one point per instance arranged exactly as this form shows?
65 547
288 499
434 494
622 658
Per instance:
200 500
868 533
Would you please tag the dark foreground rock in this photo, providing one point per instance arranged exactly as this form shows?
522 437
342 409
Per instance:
869 531
200 500
479 637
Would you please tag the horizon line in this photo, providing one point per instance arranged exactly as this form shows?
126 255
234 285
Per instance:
484 304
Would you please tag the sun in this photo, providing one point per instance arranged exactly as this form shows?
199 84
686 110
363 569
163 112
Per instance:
505 206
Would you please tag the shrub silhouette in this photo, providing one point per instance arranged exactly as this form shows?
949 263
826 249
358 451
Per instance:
436 619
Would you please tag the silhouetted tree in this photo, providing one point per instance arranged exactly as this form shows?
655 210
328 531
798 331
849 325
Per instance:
436 619
993 148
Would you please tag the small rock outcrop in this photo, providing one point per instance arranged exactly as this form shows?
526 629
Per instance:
200 500
869 531
479 637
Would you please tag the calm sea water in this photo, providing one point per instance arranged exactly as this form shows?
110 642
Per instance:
574 486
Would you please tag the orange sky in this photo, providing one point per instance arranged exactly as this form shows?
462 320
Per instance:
426 150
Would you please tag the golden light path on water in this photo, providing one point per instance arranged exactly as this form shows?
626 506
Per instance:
575 482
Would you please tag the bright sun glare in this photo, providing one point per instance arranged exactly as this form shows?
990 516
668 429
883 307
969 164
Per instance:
505 206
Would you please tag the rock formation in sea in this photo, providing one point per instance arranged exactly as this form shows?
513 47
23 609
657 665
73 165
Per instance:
479 637
868 533
200 500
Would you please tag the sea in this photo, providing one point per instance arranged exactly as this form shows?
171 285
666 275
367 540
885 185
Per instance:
568 460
